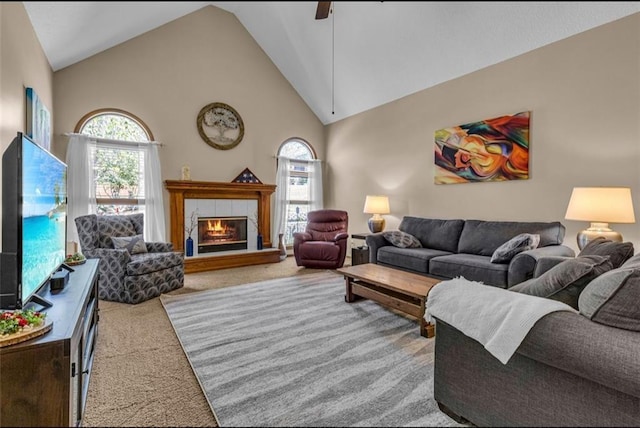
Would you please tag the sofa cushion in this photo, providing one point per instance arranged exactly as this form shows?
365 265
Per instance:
565 281
133 244
470 266
413 259
401 239
523 242
434 233
613 299
632 263
619 252
484 237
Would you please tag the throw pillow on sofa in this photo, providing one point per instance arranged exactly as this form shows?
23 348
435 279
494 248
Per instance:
401 239
523 242
613 299
619 252
565 281
133 244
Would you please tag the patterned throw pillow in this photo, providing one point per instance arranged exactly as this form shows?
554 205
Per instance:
401 239
523 242
133 244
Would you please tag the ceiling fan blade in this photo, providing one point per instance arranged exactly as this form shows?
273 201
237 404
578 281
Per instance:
323 9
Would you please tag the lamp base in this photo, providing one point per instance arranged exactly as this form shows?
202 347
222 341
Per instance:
376 224
597 230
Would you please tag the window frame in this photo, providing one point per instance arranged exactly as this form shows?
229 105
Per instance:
130 116
300 174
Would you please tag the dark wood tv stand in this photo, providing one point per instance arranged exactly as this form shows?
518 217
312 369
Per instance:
44 381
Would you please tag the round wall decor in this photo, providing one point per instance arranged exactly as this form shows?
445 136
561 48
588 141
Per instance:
220 126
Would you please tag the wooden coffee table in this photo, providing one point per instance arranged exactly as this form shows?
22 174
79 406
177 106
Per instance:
397 289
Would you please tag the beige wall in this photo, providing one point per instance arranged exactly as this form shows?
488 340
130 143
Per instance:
584 97
583 92
22 64
167 75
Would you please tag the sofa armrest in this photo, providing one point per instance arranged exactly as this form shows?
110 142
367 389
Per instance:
575 344
375 241
523 265
547 262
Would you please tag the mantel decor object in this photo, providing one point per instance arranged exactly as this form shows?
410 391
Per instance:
220 126
247 176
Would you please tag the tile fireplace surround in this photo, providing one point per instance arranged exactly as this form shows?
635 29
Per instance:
213 199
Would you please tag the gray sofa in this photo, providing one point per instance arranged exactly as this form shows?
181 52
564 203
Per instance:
572 369
452 248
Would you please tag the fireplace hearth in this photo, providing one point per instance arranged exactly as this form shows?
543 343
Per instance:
221 234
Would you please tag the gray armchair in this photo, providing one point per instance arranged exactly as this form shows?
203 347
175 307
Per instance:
129 275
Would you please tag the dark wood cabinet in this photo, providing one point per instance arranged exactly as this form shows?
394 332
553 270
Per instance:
44 381
360 254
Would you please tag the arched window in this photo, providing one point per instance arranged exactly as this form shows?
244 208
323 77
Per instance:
303 178
118 168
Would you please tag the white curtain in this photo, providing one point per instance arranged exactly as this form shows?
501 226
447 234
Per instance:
282 196
315 184
281 199
154 224
81 192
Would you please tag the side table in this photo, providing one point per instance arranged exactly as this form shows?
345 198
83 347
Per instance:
360 254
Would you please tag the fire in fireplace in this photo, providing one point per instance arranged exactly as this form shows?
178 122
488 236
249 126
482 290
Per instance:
222 234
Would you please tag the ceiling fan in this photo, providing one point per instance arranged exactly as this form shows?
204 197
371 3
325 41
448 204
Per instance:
323 10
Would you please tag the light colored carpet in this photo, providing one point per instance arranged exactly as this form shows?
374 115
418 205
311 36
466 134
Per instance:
140 375
291 352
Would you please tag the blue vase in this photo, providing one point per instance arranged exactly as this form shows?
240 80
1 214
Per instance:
259 242
189 247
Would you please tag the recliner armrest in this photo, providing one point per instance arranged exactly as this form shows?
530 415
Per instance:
301 237
340 236
120 255
159 247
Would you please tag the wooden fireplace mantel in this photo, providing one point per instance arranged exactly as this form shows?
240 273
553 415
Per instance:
179 190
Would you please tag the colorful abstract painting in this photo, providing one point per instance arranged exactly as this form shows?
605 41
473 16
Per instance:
489 150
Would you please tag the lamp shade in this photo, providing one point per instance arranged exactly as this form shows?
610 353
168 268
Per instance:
376 205
601 204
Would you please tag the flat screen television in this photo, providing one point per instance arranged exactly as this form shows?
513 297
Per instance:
34 221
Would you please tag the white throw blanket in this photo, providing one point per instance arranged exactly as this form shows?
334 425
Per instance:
497 318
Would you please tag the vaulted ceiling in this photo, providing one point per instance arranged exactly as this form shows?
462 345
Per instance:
363 55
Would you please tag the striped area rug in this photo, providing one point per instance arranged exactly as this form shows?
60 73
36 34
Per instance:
291 352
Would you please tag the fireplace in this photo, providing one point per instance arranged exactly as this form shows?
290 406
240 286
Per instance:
221 234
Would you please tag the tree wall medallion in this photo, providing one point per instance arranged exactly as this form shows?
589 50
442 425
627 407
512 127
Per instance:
220 126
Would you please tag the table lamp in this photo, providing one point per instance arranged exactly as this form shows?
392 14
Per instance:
600 206
376 205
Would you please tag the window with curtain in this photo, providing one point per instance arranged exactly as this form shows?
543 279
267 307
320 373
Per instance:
299 187
118 170
114 168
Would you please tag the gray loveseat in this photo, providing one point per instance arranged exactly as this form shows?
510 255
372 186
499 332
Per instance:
572 369
452 248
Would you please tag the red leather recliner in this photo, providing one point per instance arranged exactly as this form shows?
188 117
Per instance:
323 245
